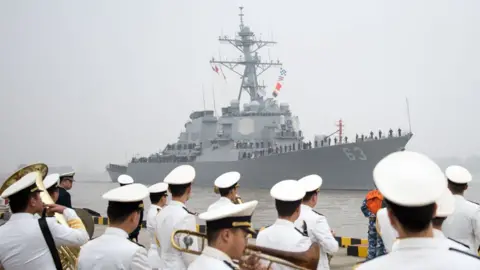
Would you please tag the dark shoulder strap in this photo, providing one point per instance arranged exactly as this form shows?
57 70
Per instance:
191 213
304 228
300 232
229 265
475 202
464 252
49 239
316 212
458 242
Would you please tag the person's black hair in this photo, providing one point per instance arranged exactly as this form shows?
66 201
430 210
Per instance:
64 178
413 219
19 201
156 197
309 195
457 188
178 190
224 191
118 212
52 189
286 209
438 221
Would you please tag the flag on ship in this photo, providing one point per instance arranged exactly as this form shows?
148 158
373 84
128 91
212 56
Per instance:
216 69
279 84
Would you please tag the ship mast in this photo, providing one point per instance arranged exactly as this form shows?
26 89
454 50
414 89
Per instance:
248 45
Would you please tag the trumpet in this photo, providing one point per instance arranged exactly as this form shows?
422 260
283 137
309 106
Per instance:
237 200
68 255
296 260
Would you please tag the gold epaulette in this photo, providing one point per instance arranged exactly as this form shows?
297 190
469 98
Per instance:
76 224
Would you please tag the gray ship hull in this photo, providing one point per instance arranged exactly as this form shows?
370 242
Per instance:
114 171
342 167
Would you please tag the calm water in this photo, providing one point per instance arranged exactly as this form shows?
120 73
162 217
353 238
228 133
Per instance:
342 208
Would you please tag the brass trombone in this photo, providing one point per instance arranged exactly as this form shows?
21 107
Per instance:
296 260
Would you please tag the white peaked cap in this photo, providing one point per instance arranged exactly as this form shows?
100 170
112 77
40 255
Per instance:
445 204
129 193
227 179
51 180
231 216
69 174
458 174
409 179
183 174
24 182
158 188
288 191
125 179
311 182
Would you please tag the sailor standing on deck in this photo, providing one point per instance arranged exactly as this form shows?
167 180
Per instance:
227 230
22 243
158 198
227 185
464 224
411 183
283 235
112 250
124 180
66 183
314 224
176 216
445 207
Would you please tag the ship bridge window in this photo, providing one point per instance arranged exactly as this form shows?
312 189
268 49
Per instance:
179 147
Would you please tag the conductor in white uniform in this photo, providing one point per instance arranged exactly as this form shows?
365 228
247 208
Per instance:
445 207
227 230
158 199
113 249
22 244
411 183
176 216
314 224
464 224
227 186
283 235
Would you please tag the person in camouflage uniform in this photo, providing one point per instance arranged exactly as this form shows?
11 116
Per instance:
375 243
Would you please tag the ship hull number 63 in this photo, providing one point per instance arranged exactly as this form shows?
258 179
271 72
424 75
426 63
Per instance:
354 153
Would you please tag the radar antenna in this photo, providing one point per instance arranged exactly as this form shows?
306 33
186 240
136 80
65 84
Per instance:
248 45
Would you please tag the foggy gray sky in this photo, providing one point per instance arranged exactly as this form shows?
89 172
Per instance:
90 82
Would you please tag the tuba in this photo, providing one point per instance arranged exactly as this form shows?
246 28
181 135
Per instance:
296 260
68 255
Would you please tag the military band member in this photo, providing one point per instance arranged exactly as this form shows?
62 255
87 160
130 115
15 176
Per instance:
113 250
464 224
124 180
22 244
66 183
227 185
175 216
411 183
445 207
227 230
283 235
51 184
158 198
314 224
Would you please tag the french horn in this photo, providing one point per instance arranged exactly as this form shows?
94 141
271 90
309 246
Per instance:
68 255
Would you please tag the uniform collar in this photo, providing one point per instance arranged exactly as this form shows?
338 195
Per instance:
216 254
116 231
224 199
438 234
155 206
305 207
417 243
459 197
20 216
284 222
172 202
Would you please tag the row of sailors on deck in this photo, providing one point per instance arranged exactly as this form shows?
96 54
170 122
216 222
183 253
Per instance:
413 186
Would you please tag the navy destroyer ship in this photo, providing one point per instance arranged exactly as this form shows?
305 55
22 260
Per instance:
263 140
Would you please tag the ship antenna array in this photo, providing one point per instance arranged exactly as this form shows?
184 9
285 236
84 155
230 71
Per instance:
340 131
248 45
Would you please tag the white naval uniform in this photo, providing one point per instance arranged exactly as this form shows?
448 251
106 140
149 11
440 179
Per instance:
451 243
219 203
385 229
464 224
153 257
112 250
175 216
212 259
283 235
422 254
23 247
319 232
